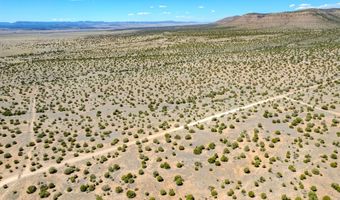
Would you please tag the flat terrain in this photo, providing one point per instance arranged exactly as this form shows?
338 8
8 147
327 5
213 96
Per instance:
197 113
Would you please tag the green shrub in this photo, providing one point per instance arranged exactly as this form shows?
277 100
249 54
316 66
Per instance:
119 189
52 170
336 186
162 192
69 170
44 194
83 188
31 189
312 196
7 155
246 170
326 198
251 194
189 197
172 192
131 194
106 188
198 150
178 180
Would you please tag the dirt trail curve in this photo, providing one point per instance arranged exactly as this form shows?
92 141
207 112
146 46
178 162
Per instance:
31 130
151 137
314 107
31 136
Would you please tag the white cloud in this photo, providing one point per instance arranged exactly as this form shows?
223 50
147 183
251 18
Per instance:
166 13
213 11
335 5
143 13
303 6
200 7
62 19
308 6
324 6
152 7
291 5
162 6
184 17
131 14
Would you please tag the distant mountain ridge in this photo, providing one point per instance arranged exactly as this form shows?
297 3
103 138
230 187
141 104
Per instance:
27 25
309 18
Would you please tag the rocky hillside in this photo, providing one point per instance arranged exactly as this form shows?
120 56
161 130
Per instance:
310 18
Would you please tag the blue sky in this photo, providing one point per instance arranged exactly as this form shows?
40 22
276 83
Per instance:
146 10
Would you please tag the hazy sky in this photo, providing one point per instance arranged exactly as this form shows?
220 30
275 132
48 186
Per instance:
145 10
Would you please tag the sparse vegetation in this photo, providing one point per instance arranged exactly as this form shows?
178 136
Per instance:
176 113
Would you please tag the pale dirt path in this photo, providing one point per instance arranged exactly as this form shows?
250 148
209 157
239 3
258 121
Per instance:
306 104
111 149
293 100
31 130
31 136
314 107
151 137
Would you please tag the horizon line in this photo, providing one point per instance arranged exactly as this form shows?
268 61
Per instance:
154 21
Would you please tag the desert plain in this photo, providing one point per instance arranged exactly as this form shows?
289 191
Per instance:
186 113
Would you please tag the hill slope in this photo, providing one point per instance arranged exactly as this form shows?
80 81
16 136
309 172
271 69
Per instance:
310 18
